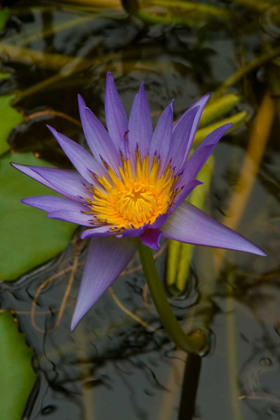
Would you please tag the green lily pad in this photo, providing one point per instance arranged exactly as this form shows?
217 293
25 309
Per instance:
4 76
11 118
4 16
17 375
28 237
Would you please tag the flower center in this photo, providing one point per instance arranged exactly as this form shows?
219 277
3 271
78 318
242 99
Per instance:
130 200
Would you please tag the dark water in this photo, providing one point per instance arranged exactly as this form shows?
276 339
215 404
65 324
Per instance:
112 366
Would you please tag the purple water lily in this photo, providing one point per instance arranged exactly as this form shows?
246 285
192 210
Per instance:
131 188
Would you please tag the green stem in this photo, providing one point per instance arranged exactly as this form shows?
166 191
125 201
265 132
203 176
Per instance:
192 343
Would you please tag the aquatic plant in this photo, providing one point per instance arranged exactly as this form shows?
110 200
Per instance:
130 192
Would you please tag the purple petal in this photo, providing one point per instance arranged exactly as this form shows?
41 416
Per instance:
67 180
106 259
124 150
51 203
200 104
97 232
185 192
201 154
182 138
76 217
98 139
131 233
81 159
151 238
191 225
139 125
160 221
32 172
116 119
128 233
161 139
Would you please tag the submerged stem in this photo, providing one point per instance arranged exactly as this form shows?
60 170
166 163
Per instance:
257 62
192 343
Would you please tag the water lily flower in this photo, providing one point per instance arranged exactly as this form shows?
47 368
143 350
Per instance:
131 188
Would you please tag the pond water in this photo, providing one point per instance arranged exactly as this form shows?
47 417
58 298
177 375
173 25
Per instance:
119 363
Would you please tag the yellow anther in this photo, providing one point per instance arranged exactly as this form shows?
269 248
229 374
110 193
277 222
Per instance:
127 201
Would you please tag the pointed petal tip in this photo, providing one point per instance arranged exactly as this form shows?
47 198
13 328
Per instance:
204 99
223 128
191 225
81 101
228 126
259 251
142 87
74 323
207 96
110 82
52 130
77 316
169 107
106 259
249 248
18 166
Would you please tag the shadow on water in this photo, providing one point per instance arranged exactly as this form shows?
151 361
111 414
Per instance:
119 363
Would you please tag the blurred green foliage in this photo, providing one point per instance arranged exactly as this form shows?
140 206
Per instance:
11 120
17 375
28 238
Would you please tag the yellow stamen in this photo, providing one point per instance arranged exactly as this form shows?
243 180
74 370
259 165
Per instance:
128 201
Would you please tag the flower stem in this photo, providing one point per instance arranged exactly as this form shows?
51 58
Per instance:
192 343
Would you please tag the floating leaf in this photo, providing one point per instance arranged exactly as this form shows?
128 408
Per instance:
17 375
4 76
11 119
4 16
28 238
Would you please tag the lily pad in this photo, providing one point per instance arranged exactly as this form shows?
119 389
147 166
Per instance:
17 375
28 238
4 76
10 120
4 16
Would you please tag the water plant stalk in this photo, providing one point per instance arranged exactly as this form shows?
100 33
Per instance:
257 62
192 7
236 120
194 342
180 254
218 108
